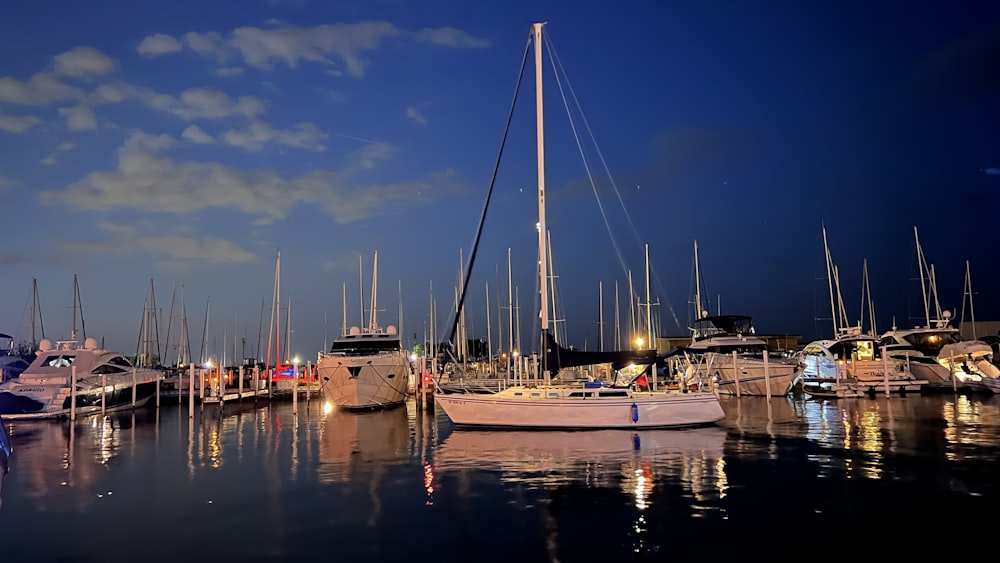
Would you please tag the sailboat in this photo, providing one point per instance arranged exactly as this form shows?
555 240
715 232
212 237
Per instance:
852 363
589 405
726 347
937 351
366 368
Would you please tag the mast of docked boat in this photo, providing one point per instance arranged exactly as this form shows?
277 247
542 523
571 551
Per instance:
542 229
867 296
829 282
510 318
489 330
35 307
697 284
921 264
343 329
967 290
373 314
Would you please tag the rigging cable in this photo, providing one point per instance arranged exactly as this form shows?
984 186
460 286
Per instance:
489 194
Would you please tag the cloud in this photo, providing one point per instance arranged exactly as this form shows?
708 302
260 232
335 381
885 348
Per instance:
79 118
415 115
49 160
159 44
206 103
145 180
449 37
17 124
203 43
341 47
40 90
229 71
195 134
83 61
252 138
179 252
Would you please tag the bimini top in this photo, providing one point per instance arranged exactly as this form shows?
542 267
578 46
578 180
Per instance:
723 324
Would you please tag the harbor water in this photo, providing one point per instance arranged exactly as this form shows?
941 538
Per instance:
785 478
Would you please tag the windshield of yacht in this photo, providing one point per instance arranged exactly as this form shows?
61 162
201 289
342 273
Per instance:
365 347
930 343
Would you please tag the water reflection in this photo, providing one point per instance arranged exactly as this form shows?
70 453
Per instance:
632 460
56 457
352 444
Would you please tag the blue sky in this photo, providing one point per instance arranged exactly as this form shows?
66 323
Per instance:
187 142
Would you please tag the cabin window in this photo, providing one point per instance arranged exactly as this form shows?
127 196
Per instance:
536 394
615 394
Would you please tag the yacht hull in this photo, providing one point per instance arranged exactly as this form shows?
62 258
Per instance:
364 382
638 410
53 401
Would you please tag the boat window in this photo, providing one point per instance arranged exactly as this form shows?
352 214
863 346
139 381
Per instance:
366 346
518 394
120 361
536 394
554 394
614 393
108 369
59 361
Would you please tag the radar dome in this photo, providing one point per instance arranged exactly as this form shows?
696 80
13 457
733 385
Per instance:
45 345
390 329
90 343
354 331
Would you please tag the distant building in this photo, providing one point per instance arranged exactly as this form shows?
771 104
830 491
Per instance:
979 329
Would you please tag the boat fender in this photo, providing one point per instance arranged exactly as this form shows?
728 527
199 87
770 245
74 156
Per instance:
635 412
635 442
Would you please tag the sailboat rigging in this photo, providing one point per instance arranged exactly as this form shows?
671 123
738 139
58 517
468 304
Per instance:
569 405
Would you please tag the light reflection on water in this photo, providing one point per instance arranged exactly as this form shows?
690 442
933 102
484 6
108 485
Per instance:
410 473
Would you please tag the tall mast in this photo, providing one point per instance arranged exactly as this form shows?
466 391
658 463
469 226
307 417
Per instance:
697 284
510 310
489 329
649 305
829 281
373 322
542 229
921 265
600 314
277 317
361 288
343 330
967 290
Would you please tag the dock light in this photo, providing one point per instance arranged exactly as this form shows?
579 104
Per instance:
639 342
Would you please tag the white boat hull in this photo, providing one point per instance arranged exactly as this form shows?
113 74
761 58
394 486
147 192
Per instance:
360 382
749 376
533 409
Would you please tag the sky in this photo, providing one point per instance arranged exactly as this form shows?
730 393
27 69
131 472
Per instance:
166 153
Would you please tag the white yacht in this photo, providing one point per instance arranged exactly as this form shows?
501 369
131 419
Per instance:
725 347
852 365
365 369
940 355
104 381
590 405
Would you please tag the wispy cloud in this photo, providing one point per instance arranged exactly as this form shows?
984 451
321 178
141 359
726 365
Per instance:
146 180
17 124
195 134
159 44
40 90
342 47
415 115
253 137
79 118
206 103
83 62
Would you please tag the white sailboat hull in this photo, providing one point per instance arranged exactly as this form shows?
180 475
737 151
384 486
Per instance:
359 382
534 409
